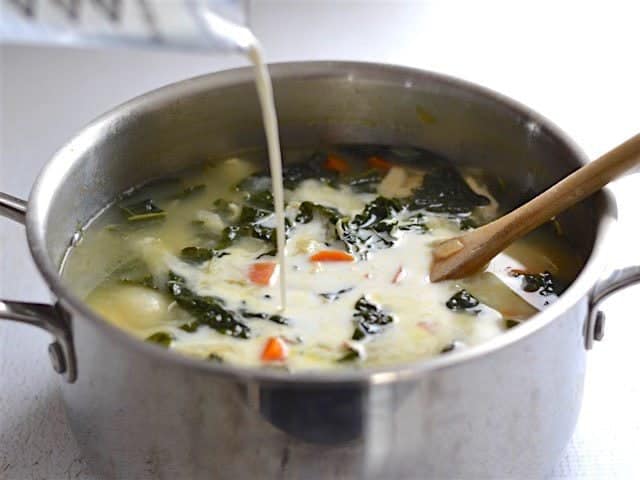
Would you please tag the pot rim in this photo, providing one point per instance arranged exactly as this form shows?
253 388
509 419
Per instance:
55 170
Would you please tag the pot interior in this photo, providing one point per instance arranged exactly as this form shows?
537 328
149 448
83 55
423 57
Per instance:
213 116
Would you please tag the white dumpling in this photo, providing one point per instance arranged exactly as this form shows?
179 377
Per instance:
129 306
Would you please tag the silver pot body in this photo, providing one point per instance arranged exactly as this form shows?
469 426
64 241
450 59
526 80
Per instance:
503 409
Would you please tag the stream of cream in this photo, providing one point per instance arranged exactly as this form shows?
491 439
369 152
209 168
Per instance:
244 39
270 120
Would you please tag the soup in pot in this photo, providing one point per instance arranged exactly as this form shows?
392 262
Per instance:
189 263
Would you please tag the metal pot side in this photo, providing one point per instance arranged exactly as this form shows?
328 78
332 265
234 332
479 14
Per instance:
504 409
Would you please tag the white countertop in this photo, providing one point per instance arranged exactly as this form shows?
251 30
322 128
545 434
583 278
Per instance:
575 63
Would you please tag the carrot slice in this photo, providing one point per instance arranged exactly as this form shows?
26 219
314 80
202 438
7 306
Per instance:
336 164
274 350
261 273
379 163
332 256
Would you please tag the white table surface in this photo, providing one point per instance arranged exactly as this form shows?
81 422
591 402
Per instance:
577 64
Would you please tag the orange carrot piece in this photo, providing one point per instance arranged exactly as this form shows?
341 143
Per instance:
336 164
379 163
274 350
261 273
332 256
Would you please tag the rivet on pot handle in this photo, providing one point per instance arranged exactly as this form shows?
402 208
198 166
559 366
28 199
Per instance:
51 318
619 279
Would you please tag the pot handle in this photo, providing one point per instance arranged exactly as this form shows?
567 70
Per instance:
51 318
619 279
13 208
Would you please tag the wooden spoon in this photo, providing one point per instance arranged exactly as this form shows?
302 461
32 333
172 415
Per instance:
466 254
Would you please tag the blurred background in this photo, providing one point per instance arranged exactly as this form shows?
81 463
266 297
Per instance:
575 62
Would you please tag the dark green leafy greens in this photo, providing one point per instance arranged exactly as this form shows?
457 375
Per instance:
509 323
142 210
377 226
543 283
190 327
198 255
443 190
214 357
307 211
227 210
351 355
466 223
134 272
279 319
211 311
249 222
463 301
161 338
333 296
455 345
415 223
370 319
250 214
366 182
253 230
207 310
262 200
292 175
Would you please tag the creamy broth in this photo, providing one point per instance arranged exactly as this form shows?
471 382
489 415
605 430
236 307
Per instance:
191 263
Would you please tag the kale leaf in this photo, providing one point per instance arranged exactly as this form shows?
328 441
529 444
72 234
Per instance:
444 190
207 310
370 319
307 209
214 357
134 272
292 175
296 173
190 327
543 283
161 338
262 200
227 210
332 296
377 226
255 230
455 345
510 323
275 318
351 355
142 210
197 255
249 222
463 301
366 182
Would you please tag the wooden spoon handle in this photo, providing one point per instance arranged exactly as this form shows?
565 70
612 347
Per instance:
468 253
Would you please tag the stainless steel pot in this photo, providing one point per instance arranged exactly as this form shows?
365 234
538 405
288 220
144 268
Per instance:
503 409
